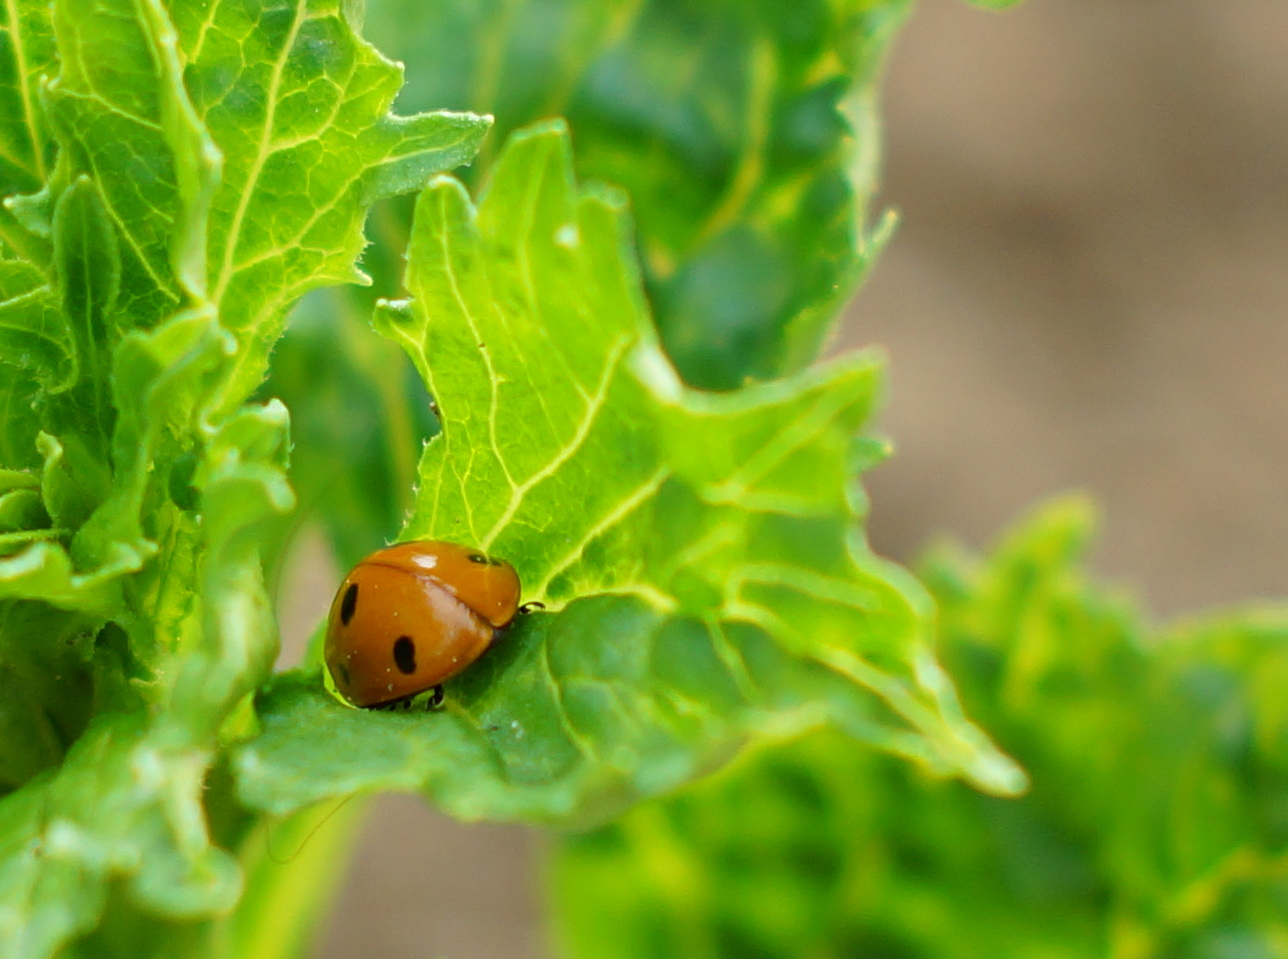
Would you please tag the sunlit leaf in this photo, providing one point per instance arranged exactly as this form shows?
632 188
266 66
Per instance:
678 535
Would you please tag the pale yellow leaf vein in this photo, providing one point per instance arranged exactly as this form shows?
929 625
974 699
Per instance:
20 64
262 154
33 294
209 22
818 585
625 506
569 449
123 229
731 657
494 383
786 441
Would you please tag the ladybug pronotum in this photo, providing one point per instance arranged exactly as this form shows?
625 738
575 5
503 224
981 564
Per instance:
410 616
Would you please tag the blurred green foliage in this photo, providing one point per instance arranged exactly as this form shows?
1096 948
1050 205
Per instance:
1156 826
744 132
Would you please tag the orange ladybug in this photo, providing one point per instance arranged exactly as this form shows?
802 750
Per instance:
412 615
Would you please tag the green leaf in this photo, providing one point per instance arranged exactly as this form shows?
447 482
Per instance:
1155 825
123 206
122 117
32 334
46 689
126 803
134 614
701 549
130 233
27 56
299 106
745 132
243 486
87 265
19 422
158 387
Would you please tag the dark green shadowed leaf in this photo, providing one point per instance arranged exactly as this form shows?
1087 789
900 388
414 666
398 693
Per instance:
87 265
745 132
60 335
19 422
356 400
659 522
46 689
159 381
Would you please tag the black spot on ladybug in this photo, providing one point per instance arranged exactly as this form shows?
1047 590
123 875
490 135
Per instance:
405 655
344 675
349 604
478 558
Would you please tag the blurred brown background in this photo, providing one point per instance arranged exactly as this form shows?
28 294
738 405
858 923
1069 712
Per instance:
1088 289
1090 284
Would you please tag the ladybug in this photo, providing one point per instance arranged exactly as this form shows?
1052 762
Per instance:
410 616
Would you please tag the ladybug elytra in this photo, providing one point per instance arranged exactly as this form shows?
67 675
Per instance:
410 616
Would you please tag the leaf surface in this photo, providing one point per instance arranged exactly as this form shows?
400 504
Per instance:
699 554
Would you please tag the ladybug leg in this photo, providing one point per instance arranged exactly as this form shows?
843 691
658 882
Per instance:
395 705
435 697
529 607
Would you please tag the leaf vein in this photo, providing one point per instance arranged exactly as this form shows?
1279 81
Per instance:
261 157
20 64
625 506
569 449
